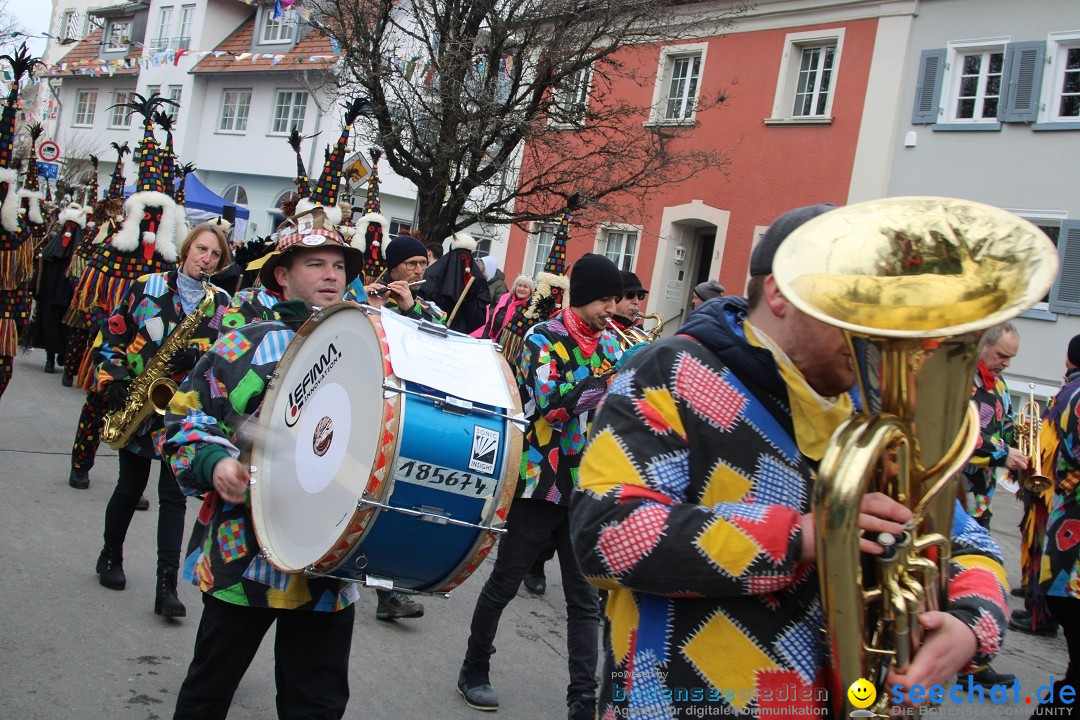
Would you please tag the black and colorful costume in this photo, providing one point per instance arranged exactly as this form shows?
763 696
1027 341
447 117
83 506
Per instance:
688 513
994 404
456 281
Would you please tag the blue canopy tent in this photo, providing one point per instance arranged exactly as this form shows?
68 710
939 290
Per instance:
203 204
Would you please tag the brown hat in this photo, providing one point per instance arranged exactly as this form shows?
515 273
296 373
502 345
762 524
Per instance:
310 231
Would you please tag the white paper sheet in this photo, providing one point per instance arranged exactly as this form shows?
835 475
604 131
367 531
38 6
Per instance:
462 366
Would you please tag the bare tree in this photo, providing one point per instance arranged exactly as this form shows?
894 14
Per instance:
480 102
8 26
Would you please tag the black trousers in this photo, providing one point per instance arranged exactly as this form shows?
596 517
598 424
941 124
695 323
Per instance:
1066 611
311 660
172 504
531 525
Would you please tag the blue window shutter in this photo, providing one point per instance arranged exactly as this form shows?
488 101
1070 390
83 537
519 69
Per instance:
1024 63
928 89
1065 297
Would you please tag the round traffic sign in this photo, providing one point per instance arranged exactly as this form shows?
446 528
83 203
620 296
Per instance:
48 151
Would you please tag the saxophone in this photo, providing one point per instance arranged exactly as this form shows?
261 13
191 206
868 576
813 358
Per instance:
152 389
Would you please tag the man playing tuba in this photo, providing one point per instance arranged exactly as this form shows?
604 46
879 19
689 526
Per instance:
694 512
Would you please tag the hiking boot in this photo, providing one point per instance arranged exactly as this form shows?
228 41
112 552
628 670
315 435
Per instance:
395 605
166 601
79 478
582 707
143 503
477 692
536 584
1020 621
110 568
987 678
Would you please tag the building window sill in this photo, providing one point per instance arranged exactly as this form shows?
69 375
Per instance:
966 127
1051 126
779 122
1039 314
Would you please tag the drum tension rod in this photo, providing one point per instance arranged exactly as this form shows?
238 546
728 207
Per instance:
423 514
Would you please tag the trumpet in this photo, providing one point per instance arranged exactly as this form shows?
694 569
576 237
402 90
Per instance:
1028 426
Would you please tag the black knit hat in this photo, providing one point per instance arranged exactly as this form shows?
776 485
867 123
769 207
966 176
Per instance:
593 277
1074 351
631 282
762 257
401 248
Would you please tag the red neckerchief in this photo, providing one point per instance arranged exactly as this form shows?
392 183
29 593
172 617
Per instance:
988 378
586 338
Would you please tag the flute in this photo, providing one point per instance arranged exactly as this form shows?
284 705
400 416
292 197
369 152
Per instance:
378 293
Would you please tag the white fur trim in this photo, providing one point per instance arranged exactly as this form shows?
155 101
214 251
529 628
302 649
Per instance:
33 213
303 205
9 211
461 240
333 214
75 213
373 218
165 239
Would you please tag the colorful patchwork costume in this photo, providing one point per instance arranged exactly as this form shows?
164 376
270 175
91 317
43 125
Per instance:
995 436
691 494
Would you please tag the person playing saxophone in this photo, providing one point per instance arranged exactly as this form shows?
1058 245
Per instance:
155 307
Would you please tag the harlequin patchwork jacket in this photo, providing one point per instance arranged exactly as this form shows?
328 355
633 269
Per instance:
688 513
1060 571
146 315
994 405
559 387
212 416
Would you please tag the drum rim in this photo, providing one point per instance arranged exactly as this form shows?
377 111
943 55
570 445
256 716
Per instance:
376 485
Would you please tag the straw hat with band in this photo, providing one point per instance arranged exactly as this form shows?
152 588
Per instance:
310 235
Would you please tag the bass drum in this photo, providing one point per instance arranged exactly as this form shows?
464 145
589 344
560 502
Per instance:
364 476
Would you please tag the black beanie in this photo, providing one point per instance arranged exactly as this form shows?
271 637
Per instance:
592 277
762 257
1074 351
403 247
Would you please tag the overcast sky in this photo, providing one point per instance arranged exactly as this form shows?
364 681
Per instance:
33 16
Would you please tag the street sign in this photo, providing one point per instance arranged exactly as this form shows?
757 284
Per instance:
357 169
48 151
49 170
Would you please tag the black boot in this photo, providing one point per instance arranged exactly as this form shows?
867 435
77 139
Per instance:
50 363
110 568
67 380
79 478
166 602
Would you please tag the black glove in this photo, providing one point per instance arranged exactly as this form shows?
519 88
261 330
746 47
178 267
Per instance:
116 394
183 361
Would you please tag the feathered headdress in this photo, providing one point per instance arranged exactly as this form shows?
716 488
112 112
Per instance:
303 183
115 190
326 190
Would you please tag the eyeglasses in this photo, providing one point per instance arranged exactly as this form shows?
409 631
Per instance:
640 294
415 264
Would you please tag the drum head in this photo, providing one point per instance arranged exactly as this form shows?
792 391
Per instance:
319 434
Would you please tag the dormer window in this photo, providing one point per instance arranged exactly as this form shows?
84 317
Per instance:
276 30
118 35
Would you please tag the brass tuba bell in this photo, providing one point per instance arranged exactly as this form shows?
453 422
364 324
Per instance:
912 282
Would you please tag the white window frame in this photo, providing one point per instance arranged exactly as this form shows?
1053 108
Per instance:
950 88
661 90
72 25
235 119
84 111
235 189
1057 47
540 250
187 19
398 226
165 20
572 99
174 92
108 37
1042 218
120 117
289 121
603 237
276 31
787 81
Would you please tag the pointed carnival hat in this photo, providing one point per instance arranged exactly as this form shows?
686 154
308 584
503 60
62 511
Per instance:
328 187
182 173
115 190
552 292
16 248
167 159
303 183
90 195
373 224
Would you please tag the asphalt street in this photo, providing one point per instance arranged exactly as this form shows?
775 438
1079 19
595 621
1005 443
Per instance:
75 650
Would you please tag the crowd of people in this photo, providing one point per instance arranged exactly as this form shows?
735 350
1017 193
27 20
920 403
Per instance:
674 478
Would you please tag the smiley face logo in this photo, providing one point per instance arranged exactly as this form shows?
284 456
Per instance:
862 693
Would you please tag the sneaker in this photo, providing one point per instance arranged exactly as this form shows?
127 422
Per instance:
478 693
143 503
397 605
987 678
1020 621
536 584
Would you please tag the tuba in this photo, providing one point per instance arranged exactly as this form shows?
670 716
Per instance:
912 282
1028 425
